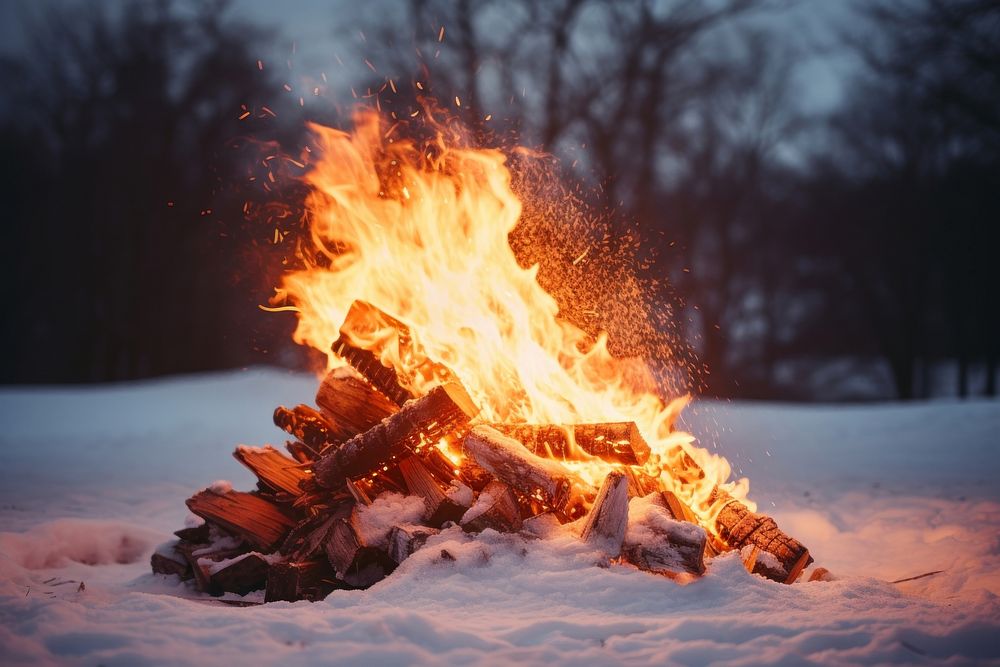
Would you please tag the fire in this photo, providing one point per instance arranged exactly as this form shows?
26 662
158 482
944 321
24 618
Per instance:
420 231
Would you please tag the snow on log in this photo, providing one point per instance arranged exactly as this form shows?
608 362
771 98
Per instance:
167 559
244 514
496 508
605 526
783 557
615 442
425 420
404 540
419 481
273 468
510 462
350 404
355 561
658 542
241 574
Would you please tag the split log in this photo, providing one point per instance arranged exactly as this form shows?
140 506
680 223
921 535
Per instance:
423 421
419 481
167 559
354 560
616 442
496 508
351 405
306 580
202 556
738 527
308 425
679 509
273 468
244 514
658 542
240 575
511 463
370 366
404 540
194 534
301 452
306 539
639 483
605 526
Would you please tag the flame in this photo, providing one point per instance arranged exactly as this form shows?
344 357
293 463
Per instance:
420 231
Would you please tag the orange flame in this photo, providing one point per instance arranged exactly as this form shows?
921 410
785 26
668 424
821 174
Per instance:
420 231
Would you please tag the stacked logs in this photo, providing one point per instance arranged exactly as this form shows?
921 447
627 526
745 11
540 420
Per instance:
306 529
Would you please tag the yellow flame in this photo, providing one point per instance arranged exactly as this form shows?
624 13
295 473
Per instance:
420 231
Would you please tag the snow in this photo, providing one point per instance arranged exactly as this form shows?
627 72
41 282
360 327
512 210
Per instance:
375 521
93 479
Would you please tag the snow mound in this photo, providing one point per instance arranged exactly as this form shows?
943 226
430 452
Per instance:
91 542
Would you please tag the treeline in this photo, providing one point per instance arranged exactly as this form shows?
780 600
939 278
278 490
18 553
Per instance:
843 255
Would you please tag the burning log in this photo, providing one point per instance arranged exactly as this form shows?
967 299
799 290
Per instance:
273 469
404 540
616 442
351 405
605 526
367 364
739 527
510 462
243 514
496 508
428 419
658 542
307 580
308 425
419 481
355 561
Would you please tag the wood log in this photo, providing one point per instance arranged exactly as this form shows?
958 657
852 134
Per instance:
243 514
308 425
639 483
615 442
681 511
424 421
273 468
195 534
305 541
608 518
496 508
658 542
309 580
404 540
370 367
301 452
202 556
351 405
511 463
167 559
738 527
240 575
354 560
420 482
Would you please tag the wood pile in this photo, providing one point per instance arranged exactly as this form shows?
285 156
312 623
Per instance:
302 532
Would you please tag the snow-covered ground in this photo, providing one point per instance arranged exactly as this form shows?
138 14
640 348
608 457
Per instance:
91 480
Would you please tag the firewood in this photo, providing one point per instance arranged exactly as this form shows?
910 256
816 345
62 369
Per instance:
423 421
511 463
308 425
639 483
496 508
272 468
404 540
419 481
238 575
305 580
202 556
357 492
351 405
681 511
606 523
370 367
658 542
168 560
737 527
195 534
244 514
306 539
615 442
301 452
354 560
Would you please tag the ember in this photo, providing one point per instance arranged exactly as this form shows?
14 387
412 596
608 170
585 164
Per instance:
455 384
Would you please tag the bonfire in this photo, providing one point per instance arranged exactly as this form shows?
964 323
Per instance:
456 398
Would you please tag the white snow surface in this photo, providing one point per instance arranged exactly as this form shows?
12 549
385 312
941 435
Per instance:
93 479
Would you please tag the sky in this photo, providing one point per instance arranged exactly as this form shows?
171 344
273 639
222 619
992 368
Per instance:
811 28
